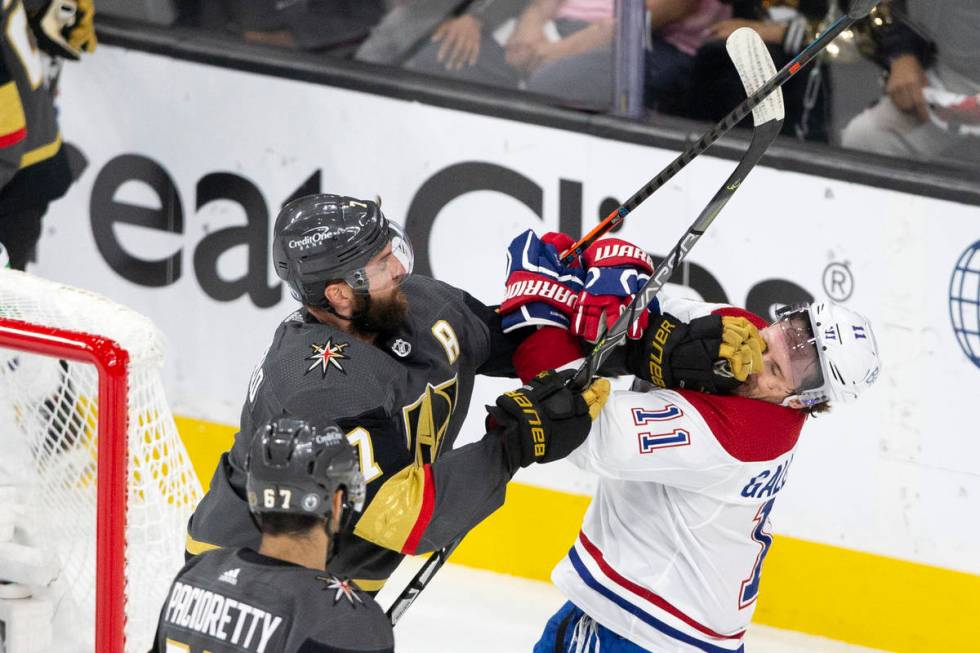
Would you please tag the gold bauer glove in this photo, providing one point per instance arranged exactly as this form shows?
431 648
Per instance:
596 396
65 28
741 346
82 35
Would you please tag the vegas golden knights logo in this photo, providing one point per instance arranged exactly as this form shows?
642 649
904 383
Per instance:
427 419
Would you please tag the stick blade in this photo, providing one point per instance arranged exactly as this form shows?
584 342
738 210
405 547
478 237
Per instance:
755 66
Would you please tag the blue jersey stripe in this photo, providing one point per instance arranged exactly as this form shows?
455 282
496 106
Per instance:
638 612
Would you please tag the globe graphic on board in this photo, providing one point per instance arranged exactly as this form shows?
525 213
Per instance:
964 302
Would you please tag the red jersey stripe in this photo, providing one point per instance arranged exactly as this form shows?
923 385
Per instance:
425 513
646 594
734 311
750 430
14 137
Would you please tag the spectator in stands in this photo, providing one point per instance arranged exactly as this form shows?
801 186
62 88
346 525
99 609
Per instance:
574 63
410 25
714 86
334 25
678 29
931 48
34 165
578 67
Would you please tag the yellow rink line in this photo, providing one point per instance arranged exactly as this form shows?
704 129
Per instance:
820 589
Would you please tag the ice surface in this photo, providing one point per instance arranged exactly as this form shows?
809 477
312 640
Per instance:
465 610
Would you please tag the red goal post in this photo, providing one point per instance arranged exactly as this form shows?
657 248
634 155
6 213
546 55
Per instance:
80 377
111 361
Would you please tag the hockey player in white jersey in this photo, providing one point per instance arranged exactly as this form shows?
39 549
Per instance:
671 550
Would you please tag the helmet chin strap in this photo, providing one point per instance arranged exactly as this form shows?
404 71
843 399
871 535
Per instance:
787 400
346 516
353 316
333 548
807 403
330 309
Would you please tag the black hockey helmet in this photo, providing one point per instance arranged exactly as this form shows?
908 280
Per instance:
323 238
295 468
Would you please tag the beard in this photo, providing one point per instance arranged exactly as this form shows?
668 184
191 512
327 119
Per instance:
379 316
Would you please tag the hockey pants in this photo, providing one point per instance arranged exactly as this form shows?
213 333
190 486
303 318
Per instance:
572 631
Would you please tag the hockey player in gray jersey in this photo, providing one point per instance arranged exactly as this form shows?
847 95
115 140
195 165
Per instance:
391 357
302 483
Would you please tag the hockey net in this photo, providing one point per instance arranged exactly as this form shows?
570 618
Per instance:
90 444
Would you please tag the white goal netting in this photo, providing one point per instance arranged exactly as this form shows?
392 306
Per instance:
49 438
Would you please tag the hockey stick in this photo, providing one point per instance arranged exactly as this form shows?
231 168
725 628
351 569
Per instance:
420 580
754 64
752 59
859 9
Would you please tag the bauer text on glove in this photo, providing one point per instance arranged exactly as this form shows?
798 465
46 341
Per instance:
543 420
711 353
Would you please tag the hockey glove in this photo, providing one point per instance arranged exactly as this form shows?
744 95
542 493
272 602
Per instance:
543 420
64 28
741 348
82 35
616 271
711 354
540 290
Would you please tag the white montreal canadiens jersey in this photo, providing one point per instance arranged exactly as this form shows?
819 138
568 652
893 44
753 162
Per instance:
671 550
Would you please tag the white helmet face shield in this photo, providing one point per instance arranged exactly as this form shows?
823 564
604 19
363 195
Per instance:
389 268
792 341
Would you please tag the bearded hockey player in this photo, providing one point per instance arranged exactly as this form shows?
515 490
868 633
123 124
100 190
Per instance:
390 357
303 483
670 554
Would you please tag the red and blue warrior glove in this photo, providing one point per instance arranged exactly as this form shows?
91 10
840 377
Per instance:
540 289
541 293
616 271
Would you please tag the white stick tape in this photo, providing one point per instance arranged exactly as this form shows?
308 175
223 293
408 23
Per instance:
755 67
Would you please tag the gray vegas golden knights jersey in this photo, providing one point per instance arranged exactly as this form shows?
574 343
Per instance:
402 403
238 601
